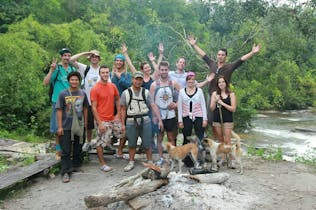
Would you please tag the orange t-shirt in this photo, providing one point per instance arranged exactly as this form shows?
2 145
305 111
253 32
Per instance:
104 95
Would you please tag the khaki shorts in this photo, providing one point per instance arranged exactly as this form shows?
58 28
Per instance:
226 125
113 128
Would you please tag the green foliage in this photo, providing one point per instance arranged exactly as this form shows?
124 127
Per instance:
282 76
308 158
269 153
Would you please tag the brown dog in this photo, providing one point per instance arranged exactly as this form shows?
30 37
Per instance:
180 152
219 148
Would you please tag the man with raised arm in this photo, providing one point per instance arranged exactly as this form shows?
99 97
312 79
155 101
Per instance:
220 67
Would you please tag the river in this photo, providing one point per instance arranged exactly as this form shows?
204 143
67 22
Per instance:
279 130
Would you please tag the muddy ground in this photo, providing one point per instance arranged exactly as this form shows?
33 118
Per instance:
264 185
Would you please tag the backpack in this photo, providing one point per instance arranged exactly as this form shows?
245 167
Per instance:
77 126
52 84
131 96
174 93
138 116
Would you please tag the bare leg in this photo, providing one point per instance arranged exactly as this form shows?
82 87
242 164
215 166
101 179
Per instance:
89 135
121 146
149 155
100 155
171 137
159 143
132 152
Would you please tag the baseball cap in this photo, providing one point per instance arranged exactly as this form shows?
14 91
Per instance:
65 50
138 74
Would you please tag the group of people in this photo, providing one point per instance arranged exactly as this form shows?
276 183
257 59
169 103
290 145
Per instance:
128 105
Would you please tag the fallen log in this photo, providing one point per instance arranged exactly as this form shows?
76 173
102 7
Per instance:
213 178
124 194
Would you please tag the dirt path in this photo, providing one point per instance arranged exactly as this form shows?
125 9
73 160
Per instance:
264 185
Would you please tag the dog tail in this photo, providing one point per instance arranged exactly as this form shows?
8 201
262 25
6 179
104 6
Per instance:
236 136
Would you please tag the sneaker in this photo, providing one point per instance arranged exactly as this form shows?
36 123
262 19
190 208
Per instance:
105 168
86 147
150 162
66 178
160 162
130 166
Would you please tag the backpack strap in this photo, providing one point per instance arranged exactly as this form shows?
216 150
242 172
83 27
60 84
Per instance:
130 97
86 71
58 70
170 85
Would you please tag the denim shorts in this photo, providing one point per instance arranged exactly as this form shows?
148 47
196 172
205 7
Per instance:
53 120
145 133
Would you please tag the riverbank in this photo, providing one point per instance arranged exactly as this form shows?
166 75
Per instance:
264 185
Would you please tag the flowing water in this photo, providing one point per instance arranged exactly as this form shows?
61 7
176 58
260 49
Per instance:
280 130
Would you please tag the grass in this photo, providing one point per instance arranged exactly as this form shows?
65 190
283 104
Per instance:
309 157
22 136
269 153
5 163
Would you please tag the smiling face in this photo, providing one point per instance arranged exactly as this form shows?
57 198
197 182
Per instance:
221 83
104 74
65 58
119 63
164 70
74 81
190 81
180 64
94 59
146 69
221 56
137 82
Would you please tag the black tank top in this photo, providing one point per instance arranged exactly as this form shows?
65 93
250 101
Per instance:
227 115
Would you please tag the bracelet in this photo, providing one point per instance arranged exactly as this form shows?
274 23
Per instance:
57 147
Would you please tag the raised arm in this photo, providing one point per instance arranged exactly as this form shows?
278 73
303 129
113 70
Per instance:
128 60
160 50
152 59
74 58
52 68
208 79
255 49
192 41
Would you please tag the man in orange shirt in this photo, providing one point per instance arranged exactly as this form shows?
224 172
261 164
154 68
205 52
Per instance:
103 95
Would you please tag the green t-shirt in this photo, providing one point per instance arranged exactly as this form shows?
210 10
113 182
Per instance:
61 82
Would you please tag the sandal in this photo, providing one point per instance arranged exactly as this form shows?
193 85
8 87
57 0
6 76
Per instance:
124 156
66 178
105 168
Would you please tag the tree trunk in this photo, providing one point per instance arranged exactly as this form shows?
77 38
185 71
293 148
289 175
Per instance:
213 178
125 193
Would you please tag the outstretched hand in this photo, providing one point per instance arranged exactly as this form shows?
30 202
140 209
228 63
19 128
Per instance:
210 77
160 48
192 40
255 48
124 48
151 56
